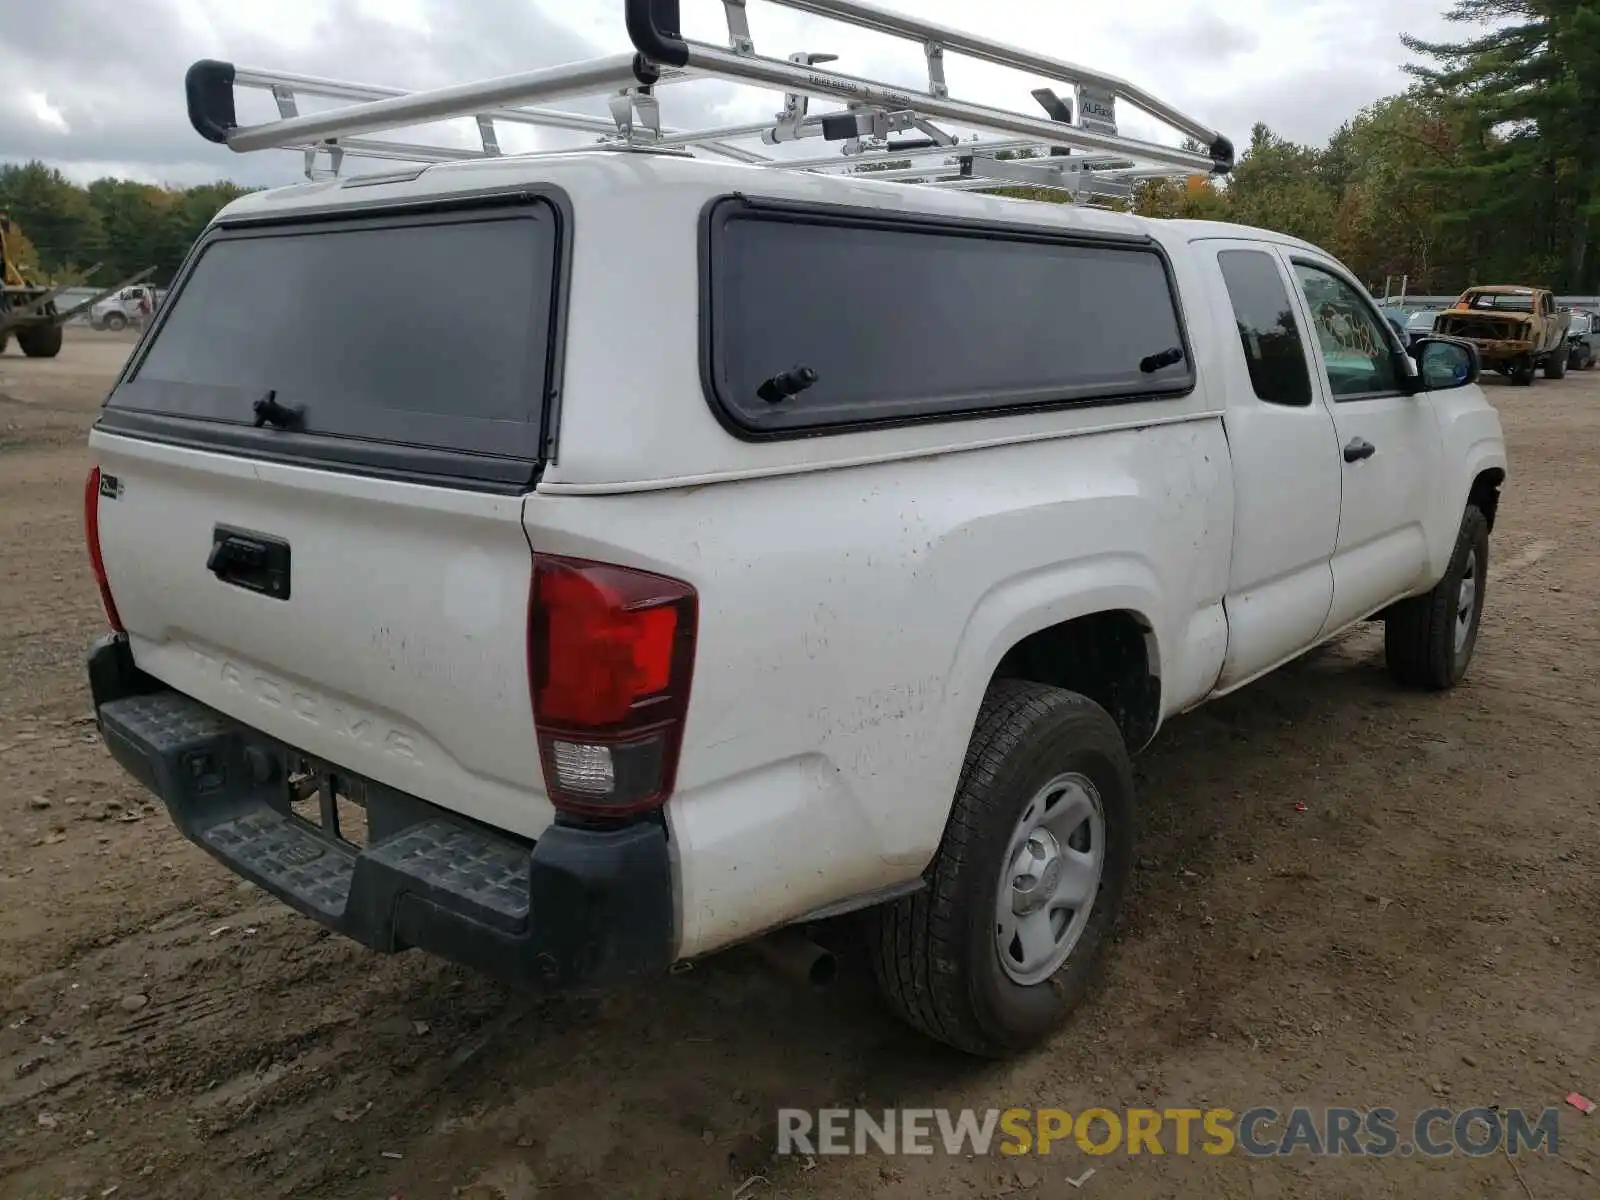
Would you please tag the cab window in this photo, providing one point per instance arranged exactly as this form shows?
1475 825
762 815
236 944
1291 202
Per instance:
1357 349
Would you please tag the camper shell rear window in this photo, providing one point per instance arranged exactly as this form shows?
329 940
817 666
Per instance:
422 343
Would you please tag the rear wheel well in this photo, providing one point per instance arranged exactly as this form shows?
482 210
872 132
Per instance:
1105 656
1485 493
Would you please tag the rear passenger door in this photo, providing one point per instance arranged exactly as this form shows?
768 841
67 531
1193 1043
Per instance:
1285 463
1390 453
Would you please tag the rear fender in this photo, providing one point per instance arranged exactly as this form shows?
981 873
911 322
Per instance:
1018 607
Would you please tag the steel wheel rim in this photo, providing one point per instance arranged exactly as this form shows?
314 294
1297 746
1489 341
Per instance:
1466 600
1049 878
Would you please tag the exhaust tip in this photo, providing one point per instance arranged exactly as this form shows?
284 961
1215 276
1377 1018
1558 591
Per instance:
824 970
793 955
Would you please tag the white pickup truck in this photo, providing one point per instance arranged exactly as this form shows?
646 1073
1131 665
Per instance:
131 306
720 549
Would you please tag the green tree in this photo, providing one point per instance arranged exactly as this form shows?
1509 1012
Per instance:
62 221
1279 185
1529 84
123 225
134 216
1385 166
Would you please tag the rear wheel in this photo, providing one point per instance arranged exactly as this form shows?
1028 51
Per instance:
1555 367
116 322
40 341
999 948
1428 640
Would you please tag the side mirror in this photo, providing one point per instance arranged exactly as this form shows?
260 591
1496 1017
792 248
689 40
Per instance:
1445 363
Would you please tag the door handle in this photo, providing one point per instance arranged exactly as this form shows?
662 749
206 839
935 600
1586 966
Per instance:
255 562
1357 449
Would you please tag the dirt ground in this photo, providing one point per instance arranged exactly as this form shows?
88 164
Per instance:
1426 931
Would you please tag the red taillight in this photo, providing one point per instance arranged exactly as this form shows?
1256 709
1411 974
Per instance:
91 531
610 656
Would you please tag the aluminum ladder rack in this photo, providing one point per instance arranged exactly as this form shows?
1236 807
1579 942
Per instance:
882 128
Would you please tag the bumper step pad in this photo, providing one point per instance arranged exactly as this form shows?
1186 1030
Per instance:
581 906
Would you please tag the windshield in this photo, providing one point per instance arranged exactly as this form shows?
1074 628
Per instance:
1422 320
1502 301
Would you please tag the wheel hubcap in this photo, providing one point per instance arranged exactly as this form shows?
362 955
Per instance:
1053 867
1466 600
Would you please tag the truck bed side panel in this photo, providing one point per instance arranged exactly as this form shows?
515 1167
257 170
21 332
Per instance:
849 630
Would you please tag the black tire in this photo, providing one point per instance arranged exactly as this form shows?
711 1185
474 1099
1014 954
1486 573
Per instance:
1588 361
40 341
1522 372
116 322
1555 367
1419 637
5 340
935 953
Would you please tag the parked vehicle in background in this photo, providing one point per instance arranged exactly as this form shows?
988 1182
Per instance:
1397 322
1409 323
27 308
1420 322
1583 341
1517 330
131 306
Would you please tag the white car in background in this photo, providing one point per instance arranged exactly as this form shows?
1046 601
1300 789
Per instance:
131 306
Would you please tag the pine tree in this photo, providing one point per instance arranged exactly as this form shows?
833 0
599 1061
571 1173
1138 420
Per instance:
1530 86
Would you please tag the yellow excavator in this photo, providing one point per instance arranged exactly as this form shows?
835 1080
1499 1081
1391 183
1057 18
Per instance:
29 309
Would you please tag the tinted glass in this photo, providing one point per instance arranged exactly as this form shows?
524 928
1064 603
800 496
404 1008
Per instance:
908 322
1268 331
432 333
1355 343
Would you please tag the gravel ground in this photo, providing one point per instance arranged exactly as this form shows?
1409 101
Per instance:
1424 932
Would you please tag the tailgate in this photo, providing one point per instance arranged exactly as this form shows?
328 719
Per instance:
347 572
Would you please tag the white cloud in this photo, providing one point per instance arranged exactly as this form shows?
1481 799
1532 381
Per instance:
46 113
97 82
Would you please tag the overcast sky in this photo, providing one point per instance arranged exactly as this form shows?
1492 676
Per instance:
95 87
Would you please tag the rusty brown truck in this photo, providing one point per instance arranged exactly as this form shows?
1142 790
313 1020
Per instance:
1517 330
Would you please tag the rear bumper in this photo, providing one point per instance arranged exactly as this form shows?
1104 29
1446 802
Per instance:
1503 351
1495 350
580 907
